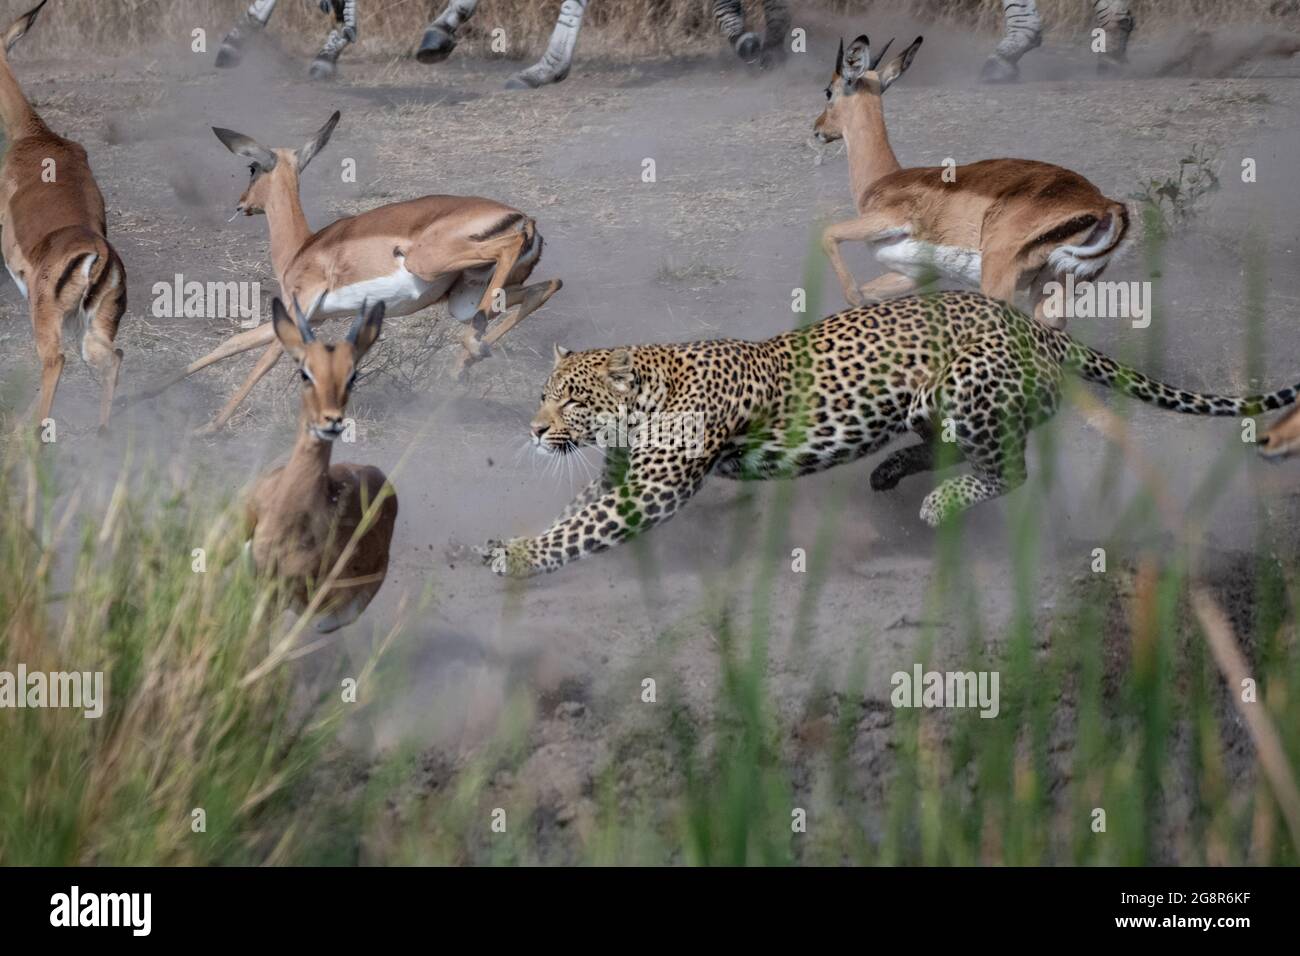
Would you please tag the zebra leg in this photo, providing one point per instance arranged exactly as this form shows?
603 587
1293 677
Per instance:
253 20
345 13
776 29
730 17
1023 30
440 36
555 62
1116 22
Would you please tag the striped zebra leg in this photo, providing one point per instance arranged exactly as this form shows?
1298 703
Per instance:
555 62
324 65
1115 20
251 21
776 28
440 36
1022 31
730 17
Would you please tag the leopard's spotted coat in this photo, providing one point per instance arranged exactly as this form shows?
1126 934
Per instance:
821 396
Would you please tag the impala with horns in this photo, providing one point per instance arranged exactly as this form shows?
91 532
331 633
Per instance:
1004 225
308 516
54 236
473 254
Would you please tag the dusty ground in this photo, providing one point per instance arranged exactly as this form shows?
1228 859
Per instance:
713 248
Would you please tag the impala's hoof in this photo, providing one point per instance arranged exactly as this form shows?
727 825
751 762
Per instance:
436 45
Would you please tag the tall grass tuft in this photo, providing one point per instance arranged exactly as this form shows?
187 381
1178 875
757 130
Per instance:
190 762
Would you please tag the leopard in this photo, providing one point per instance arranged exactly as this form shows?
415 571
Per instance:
969 375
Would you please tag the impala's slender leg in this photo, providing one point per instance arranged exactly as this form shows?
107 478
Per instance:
865 228
97 347
47 327
529 299
242 342
888 286
264 365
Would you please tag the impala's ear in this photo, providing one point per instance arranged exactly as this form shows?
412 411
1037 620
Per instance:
288 331
18 29
839 59
365 329
877 57
620 373
246 146
899 64
317 142
856 58
561 353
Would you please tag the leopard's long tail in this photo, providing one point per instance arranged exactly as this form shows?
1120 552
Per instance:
1091 365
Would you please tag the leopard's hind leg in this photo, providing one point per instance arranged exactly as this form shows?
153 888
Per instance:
989 416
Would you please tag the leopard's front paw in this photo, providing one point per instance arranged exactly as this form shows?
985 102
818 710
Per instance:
507 558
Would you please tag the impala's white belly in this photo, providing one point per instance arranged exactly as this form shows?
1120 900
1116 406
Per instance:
920 260
402 291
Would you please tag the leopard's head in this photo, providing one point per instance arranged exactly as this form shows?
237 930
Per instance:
584 392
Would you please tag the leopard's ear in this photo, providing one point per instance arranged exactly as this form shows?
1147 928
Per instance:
561 353
620 372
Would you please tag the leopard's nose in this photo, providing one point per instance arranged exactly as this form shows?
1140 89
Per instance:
539 430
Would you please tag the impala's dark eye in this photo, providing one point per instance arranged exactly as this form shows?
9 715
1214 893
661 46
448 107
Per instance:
252 170
305 376
828 92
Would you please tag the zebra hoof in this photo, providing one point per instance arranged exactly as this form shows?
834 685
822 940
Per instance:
748 47
229 55
436 45
322 69
998 70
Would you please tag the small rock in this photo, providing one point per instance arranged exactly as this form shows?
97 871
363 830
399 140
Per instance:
570 710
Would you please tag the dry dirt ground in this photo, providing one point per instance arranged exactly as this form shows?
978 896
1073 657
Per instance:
714 247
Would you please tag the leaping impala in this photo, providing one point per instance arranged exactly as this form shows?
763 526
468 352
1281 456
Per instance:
302 516
1001 224
409 255
53 233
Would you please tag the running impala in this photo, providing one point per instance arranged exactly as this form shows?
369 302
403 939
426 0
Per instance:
1004 225
473 254
54 236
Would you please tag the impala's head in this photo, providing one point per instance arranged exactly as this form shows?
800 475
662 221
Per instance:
328 369
856 75
583 393
270 169
1282 440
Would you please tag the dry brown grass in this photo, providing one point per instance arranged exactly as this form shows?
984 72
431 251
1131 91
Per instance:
623 28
